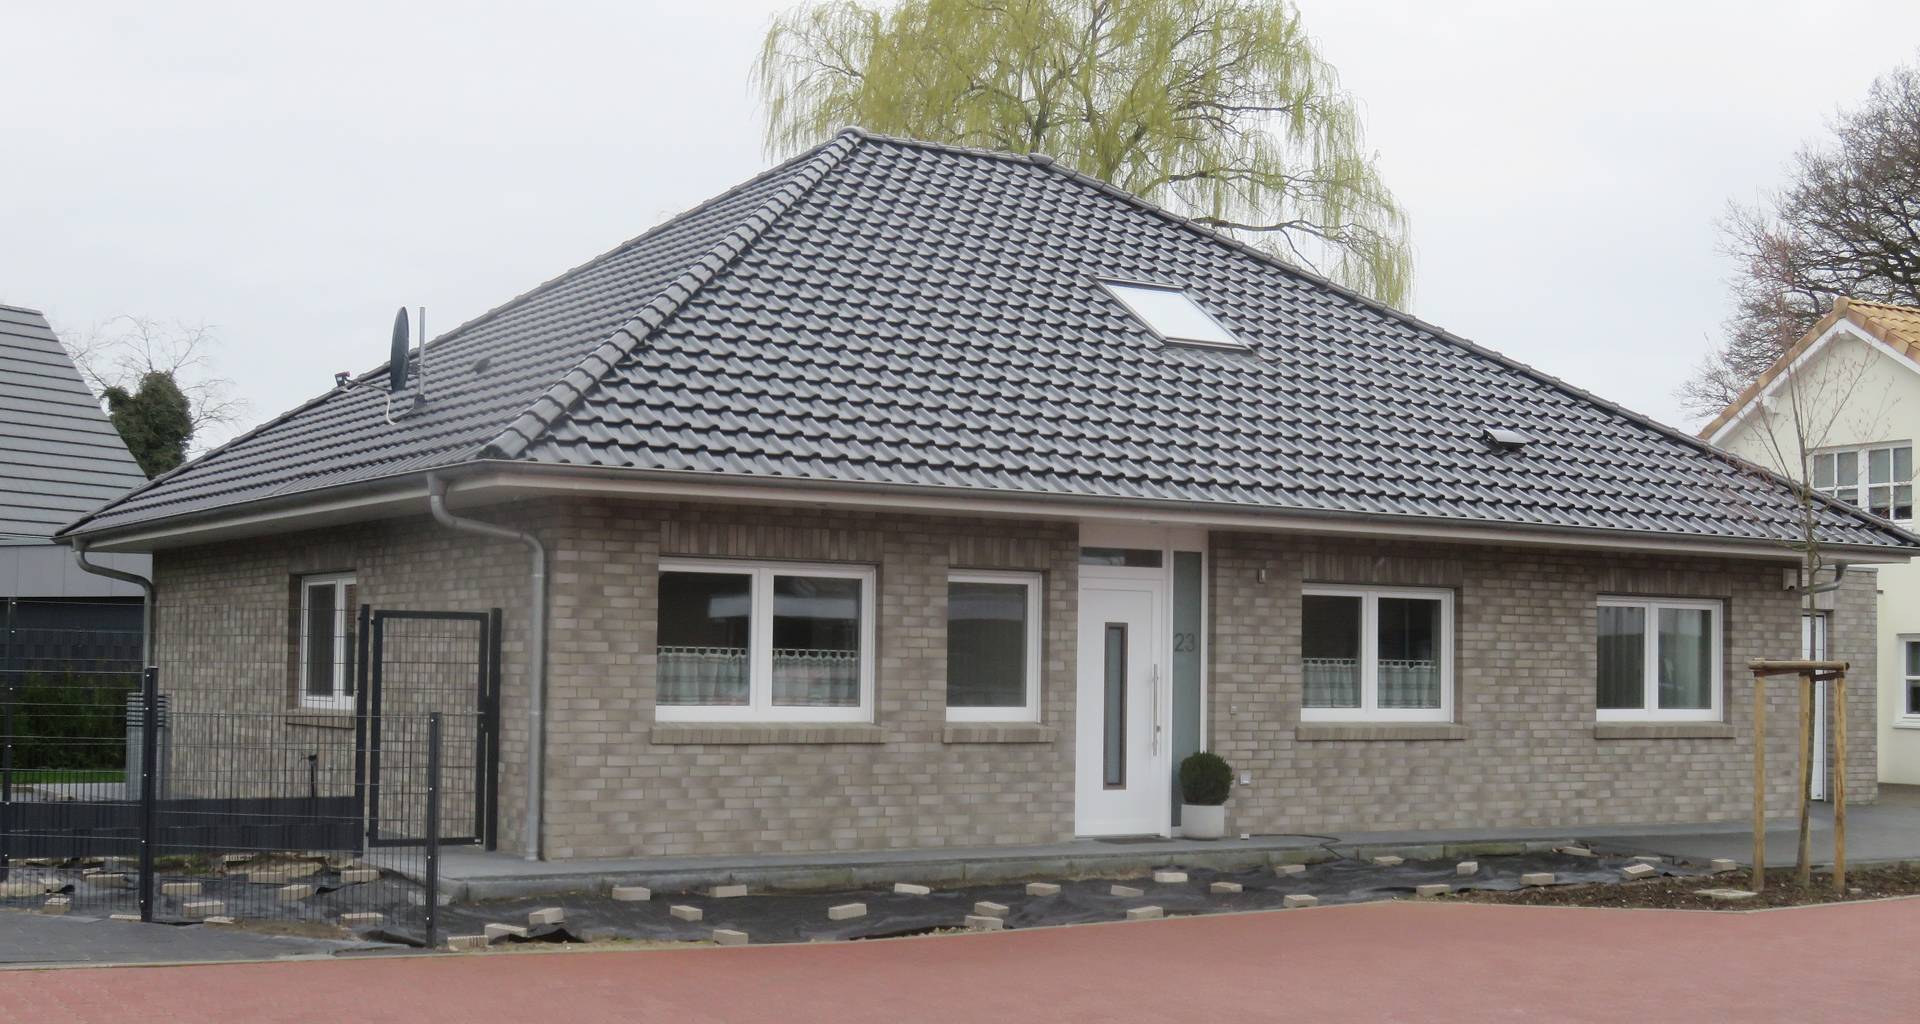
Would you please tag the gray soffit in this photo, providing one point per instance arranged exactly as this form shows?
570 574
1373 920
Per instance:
59 457
882 312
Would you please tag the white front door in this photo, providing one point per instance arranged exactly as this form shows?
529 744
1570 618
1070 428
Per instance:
1122 772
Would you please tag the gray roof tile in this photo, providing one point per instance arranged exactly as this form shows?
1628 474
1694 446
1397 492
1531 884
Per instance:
881 311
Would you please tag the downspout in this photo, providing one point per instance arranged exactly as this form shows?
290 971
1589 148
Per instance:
537 650
1839 580
145 585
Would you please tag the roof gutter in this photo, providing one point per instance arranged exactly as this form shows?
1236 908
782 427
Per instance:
400 487
536 656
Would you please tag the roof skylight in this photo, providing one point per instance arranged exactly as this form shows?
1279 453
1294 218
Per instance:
1172 314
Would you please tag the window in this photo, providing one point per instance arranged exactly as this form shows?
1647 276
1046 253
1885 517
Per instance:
1910 704
1659 660
741 642
1380 655
1878 479
329 610
1130 558
1173 315
993 647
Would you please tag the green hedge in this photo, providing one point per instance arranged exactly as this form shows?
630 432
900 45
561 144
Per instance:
69 722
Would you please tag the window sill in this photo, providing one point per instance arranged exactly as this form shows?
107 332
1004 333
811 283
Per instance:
1906 723
1350 731
320 718
1664 731
998 732
765 732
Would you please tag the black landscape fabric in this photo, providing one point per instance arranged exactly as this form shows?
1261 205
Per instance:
802 916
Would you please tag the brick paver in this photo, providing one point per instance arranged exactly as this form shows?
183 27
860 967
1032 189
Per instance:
1374 962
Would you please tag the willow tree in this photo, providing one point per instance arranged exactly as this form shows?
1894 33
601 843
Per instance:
1223 110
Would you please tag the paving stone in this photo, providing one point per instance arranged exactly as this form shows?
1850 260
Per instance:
1639 870
1467 867
203 908
1042 889
501 931
358 876
105 880
1127 891
123 917
1169 877
1300 899
982 923
1650 859
1225 887
362 919
547 915
632 893
179 888
1537 878
1725 894
1433 889
468 942
729 937
1388 861
722 892
846 910
1289 869
1145 913
1576 851
987 909
56 905
1721 864
686 913
910 889
295 892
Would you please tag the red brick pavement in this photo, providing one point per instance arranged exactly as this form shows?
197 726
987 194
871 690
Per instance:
1401 961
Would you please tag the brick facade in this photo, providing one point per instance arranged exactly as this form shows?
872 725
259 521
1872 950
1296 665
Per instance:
1523 750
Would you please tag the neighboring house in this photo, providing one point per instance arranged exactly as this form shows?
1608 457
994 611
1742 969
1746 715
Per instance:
59 457
1855 379
911 496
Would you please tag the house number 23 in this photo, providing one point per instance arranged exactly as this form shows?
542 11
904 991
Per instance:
1183 642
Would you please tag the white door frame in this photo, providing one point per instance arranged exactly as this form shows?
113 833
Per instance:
1148 799
1814 641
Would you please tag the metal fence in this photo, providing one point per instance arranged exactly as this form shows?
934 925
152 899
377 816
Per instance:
208 790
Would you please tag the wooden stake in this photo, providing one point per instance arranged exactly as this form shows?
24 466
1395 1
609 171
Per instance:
1759 781
1804 874
1839 782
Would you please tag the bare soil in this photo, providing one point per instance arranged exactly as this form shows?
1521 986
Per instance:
1782 890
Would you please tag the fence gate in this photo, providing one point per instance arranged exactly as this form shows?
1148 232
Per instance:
417 663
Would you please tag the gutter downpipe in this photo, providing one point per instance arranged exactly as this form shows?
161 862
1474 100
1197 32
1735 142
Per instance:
145 585
537 651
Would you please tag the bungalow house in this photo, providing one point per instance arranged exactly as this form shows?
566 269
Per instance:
1841 408
912 496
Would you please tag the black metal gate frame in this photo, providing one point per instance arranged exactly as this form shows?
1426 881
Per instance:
367 719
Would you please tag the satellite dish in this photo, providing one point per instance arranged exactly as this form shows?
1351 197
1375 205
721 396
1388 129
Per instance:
397 365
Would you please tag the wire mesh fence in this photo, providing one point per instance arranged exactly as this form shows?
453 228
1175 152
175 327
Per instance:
231 786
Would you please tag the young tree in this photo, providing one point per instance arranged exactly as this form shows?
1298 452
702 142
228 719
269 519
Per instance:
1846 223
153 379
1221 109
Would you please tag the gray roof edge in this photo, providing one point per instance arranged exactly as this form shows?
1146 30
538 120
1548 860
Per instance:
520 433
22 309
473 467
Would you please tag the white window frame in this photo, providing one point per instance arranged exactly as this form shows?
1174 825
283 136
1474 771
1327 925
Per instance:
760 706
1861 487
1650 673
1030 712
1369 709
1904 720
343 652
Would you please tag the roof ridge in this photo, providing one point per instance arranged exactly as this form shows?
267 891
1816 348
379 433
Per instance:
520 433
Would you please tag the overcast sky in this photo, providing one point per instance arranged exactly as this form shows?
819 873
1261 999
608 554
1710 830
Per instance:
289 177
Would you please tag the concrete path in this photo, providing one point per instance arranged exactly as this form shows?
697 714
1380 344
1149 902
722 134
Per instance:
43 941
1402 961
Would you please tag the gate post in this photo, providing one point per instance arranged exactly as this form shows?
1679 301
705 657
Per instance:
433 830
6 774
149 769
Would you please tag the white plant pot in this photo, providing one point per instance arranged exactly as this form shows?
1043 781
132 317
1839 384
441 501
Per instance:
1203 821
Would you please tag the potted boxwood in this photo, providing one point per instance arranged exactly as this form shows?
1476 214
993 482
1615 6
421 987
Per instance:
1204 782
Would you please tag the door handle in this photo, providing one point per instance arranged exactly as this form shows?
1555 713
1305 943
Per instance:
1156 711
